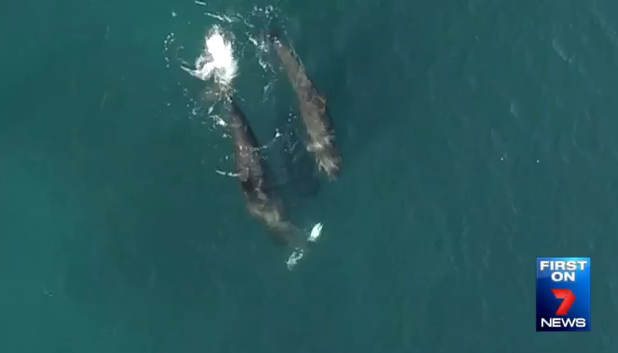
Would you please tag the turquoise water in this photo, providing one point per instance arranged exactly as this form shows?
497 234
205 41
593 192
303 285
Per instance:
476 136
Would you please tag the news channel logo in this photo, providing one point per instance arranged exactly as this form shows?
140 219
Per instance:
562 294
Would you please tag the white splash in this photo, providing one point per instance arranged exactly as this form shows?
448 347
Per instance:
298 254
294 258
229 174
217 61
315 232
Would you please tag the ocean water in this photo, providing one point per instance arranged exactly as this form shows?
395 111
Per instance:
476 135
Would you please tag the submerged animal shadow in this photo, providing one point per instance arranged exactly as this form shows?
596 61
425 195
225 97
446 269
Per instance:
296 174
301 179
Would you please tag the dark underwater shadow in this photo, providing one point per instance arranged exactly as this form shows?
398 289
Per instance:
299 180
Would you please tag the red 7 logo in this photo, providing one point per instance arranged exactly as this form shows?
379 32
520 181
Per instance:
567 302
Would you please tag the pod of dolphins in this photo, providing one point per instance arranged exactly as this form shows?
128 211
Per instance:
260 198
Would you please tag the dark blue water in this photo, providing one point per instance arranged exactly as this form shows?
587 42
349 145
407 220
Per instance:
476 136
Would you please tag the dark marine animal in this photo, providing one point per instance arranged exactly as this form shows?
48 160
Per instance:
312 105
255 184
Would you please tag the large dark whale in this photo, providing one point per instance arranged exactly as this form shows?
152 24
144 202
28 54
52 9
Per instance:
313 112
255 183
